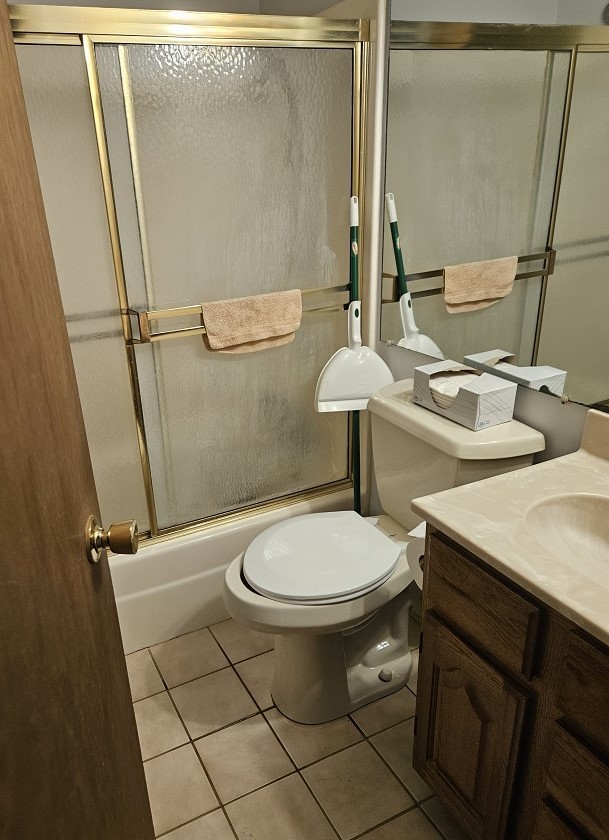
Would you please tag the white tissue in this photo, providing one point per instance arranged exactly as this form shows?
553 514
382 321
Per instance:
444 389
415 551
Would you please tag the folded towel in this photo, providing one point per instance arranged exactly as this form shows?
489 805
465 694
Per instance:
248 324
477 285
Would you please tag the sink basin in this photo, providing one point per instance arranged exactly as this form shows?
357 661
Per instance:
574 526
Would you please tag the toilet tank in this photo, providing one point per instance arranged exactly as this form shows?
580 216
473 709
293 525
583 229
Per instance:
416 452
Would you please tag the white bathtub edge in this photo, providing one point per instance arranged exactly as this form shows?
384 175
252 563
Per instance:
175 586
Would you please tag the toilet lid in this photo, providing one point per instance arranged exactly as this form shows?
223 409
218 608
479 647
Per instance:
319 558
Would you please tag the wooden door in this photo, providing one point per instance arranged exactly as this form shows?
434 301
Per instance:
70 763
469 722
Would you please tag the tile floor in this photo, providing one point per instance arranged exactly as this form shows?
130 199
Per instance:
222 762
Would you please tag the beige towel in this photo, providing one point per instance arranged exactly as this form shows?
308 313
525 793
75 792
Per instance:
477 285
248 324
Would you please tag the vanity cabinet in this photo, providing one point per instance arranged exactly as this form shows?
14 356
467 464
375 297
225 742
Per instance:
512 720
467 739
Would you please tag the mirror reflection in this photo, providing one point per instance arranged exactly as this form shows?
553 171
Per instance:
477 140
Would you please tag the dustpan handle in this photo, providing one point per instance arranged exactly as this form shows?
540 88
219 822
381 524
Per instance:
395 238
355 334
355 325
354 252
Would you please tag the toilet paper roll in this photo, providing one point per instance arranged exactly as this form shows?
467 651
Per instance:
415 552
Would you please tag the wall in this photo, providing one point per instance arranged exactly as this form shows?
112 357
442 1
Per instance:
582 11
293 7
480 11
501 11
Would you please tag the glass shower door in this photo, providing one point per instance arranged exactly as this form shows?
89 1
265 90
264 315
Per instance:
231 170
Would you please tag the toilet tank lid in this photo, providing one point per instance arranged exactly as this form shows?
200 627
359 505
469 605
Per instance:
507 440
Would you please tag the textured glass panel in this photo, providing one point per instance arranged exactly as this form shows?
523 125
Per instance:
242 429
575 330
59 110
241 161
472 146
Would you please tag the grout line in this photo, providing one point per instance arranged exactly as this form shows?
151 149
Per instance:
368 831
319 805
188 822
384 729
344 749
280 742
200 677
390 768
297 771
329 755
243 683
207 776
260 787
225 651
158 669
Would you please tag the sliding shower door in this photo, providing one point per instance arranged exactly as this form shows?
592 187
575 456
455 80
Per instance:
575 326
232 169
227 170
473 139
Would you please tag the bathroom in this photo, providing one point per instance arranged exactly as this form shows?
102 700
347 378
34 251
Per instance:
154 694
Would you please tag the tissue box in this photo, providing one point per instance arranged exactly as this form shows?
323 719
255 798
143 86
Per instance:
534 376
488 401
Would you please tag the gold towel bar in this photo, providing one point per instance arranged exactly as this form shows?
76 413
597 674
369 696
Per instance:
143 320
548 257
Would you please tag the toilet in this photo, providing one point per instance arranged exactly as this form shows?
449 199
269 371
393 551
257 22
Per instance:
335 588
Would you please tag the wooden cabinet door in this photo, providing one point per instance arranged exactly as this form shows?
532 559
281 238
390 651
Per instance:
469 721
70 762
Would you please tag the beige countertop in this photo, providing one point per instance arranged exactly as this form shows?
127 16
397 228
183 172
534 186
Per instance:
489 518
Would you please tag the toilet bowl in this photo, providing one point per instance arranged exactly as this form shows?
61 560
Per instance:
335 588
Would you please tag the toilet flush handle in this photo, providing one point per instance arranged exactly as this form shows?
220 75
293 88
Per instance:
120 538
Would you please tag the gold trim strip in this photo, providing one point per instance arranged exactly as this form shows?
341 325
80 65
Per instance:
230 42
592 48
556 196
472 36
181 24
53 39
125 74
106 176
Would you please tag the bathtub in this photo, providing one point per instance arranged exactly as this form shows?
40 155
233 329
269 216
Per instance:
175 586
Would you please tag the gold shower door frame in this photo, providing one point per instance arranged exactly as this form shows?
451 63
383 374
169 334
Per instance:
85 27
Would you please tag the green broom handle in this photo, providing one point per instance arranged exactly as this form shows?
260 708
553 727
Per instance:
397 248
354 295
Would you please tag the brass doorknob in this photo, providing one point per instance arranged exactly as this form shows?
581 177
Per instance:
121 538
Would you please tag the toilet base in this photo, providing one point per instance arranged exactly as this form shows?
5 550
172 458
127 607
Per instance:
322 677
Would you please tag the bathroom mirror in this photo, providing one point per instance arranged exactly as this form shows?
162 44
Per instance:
496 146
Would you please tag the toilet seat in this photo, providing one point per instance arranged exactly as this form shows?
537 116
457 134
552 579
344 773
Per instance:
320 558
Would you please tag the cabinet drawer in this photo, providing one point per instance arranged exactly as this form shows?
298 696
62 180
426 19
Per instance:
583 698
579 783
482 608
550 826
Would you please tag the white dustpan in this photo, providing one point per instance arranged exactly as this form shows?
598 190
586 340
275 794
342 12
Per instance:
413 339
353 374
